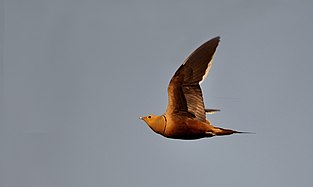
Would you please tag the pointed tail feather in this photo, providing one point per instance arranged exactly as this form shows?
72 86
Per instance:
222 132
245 132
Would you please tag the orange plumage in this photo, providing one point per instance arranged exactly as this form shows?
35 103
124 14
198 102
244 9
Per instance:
185 117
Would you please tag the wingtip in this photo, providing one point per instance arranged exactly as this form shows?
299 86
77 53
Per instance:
217 38
211 111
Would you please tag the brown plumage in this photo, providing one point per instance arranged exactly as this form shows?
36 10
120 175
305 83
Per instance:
185 117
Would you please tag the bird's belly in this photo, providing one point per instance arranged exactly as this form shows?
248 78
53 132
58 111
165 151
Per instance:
186 131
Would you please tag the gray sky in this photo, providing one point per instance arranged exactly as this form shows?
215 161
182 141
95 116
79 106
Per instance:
76 75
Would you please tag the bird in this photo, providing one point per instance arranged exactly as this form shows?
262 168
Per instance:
185 116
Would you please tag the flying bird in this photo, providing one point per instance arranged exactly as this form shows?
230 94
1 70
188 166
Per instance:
185 117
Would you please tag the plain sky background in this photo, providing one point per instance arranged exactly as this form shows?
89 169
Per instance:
75 76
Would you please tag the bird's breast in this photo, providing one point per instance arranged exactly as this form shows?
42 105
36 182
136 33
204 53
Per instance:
185 128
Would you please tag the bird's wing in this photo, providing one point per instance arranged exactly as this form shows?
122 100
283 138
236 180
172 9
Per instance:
184 92
211 111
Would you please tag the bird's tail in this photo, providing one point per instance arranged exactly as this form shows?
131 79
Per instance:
217 131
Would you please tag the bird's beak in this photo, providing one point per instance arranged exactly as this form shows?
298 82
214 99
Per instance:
141 118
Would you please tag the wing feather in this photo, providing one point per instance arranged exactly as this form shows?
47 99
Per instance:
184 92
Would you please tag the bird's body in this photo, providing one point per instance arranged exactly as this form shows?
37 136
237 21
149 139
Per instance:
185 117
181 127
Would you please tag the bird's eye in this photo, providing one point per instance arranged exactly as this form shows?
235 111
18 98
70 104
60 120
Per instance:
149 116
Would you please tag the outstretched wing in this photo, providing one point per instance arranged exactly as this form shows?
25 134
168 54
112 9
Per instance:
184 92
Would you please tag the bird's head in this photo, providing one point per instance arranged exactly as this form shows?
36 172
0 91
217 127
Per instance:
156 123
